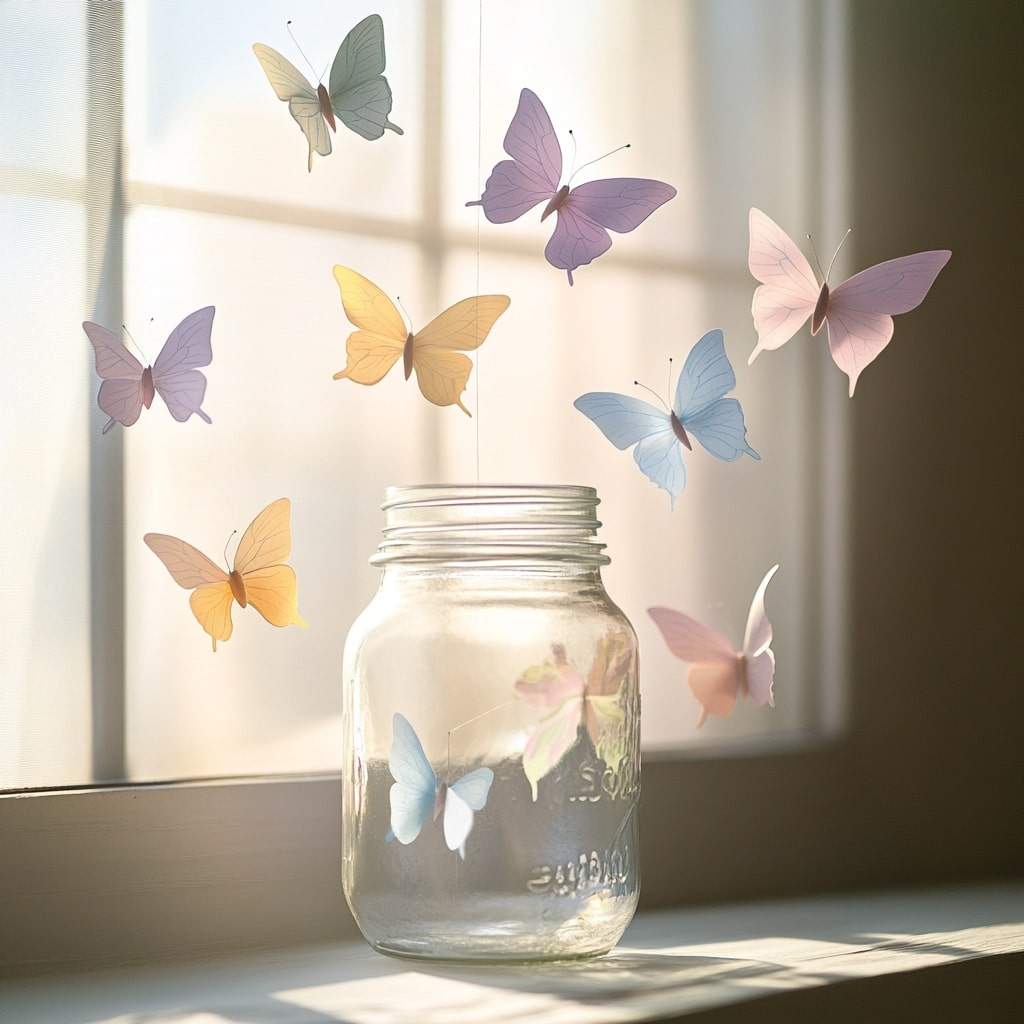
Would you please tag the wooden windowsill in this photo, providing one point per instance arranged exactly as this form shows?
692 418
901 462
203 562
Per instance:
935 955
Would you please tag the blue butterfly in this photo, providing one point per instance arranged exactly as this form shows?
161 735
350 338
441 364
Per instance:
700 409
417 794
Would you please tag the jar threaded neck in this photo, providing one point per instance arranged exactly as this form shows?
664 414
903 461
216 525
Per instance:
490 523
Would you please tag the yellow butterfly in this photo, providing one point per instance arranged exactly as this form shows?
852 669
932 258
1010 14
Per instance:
258 577
435 353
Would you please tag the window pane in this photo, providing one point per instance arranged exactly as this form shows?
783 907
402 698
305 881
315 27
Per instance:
201 114
268 699
721 99
45 700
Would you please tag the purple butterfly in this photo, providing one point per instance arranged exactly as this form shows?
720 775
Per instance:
532 176
128 386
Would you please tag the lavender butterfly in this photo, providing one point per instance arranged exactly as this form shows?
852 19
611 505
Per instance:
700 409
128 385
583 213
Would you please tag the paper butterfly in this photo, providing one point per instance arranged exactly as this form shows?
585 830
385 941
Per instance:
435 353
258 577
417 794
128 386
858 312
359 93
566 700
700 409
718 673
532 176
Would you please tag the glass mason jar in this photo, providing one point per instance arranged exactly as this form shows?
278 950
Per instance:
492 720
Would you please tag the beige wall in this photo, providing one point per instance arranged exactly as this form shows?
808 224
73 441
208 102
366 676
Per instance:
928 785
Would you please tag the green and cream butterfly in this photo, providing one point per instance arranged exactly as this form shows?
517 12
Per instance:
357 92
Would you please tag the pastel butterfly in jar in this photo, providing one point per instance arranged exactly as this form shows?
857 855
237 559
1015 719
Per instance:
258 576
718 673
584 214
418 794
700 409
357 93
858 312
128 386
436 352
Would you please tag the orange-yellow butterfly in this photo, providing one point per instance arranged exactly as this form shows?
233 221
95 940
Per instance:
435 353
258 578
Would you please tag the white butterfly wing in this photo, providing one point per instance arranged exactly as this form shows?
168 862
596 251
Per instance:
760 677
462 799
415 788
789 290
860 310
292 86
760 659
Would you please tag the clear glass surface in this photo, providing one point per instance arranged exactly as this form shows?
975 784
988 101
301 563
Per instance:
492 732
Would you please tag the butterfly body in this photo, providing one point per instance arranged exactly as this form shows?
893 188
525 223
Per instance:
258 576
700 408
435 353
358 94
409 355
820 309
585 213
679 430
148 387
718 673
129 387
237 585
326 110
858 313
418 794
557 200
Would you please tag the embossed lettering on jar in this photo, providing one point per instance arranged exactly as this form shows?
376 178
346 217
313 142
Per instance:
492 715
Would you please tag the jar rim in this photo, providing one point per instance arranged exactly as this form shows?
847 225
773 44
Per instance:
400 494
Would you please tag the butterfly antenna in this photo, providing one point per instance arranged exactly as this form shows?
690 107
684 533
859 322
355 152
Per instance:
652 391
135 344
597 158
405 312
226 543
836 253
309 63
825 273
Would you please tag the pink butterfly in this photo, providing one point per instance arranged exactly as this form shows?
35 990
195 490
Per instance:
532 176
858 312
128 386
718 673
